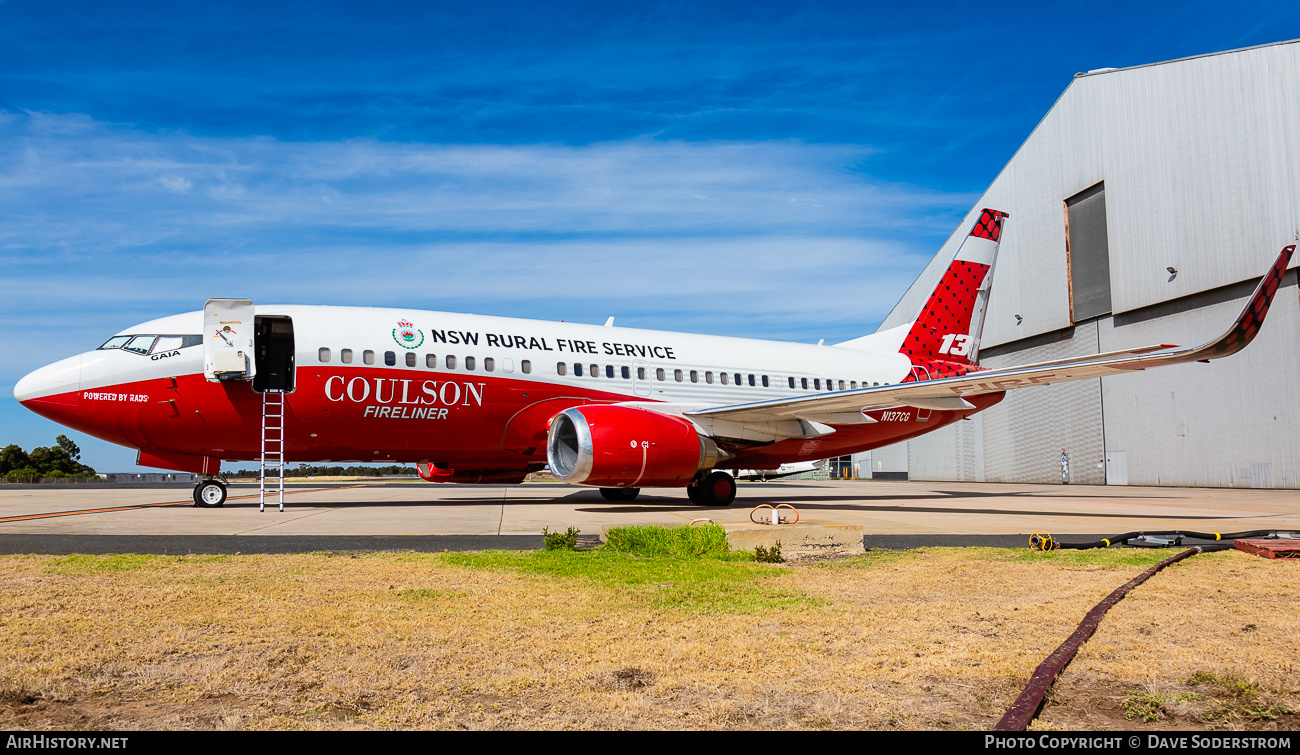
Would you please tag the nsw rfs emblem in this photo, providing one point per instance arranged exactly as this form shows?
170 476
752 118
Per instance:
406 335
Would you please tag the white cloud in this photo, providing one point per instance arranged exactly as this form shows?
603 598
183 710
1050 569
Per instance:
177 184
765 239
643 187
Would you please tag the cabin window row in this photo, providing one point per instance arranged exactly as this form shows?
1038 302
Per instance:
681 376
470 363
594 370
816 384
430 360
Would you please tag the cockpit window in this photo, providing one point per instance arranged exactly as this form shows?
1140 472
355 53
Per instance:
168 343
139 344
145 344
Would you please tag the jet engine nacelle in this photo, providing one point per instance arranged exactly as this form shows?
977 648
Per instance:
626 447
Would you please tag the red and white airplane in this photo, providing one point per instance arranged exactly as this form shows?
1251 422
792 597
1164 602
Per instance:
475 399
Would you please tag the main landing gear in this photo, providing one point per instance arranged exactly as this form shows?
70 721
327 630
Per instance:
620 494
210 493
717 488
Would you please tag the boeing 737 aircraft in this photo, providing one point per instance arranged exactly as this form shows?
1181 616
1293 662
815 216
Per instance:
475 399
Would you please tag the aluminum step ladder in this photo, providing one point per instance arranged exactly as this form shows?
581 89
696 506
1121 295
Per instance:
272 444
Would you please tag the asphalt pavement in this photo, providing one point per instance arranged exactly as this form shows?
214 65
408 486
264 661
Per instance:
370 515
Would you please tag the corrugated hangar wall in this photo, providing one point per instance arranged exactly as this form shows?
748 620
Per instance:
1195 164
1233 422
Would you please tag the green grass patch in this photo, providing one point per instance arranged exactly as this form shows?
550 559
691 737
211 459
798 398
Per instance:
716 583
1150 707
112 562
1144 706
650 540
872 559
560 541
419 595
1256 711
1238 688
1245 704
1114 558
614 569
1111 558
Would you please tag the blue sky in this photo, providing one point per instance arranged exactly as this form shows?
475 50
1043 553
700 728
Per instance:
771 170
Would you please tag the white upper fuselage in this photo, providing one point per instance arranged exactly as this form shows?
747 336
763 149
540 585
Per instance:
678 368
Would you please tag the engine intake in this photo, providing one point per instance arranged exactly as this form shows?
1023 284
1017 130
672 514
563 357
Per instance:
626 447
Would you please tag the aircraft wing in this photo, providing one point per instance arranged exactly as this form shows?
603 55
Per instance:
947 393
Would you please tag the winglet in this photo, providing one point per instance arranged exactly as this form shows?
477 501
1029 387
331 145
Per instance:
1247 325
1242 331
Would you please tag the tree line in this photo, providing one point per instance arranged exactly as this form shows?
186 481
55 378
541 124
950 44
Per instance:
309 470
63 459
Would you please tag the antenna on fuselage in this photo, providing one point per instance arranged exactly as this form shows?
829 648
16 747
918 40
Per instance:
610 322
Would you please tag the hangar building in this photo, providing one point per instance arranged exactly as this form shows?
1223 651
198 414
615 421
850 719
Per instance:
1144 208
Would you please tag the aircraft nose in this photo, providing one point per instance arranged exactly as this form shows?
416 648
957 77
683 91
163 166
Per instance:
53 391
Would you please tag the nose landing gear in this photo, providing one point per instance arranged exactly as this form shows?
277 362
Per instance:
210 493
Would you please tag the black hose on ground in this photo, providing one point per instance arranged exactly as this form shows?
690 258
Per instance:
1043 541
1025 708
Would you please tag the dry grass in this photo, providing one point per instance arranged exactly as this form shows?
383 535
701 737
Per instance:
1230 616
923 639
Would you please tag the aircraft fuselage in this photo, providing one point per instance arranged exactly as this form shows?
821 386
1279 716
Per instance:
460 391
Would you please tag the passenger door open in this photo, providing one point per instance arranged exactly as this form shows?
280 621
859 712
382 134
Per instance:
274 354
241 345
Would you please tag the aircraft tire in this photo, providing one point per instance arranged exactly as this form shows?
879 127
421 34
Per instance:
209 494
719 488
620 494
716 489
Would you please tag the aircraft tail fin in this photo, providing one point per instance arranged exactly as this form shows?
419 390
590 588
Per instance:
949 325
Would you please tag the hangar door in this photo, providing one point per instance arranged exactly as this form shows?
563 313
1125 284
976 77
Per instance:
1087 250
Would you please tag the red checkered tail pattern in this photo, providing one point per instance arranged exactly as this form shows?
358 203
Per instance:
949 325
